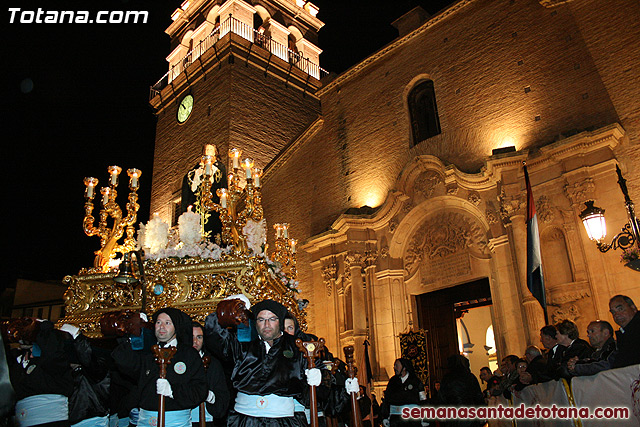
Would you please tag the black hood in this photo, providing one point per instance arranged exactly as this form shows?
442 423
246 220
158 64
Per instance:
274 307
182 323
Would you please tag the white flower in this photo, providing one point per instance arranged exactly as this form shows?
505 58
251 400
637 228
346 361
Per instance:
156 234
140 243
256 233
189 228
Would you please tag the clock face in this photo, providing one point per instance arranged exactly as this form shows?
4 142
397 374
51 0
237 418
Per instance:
184 109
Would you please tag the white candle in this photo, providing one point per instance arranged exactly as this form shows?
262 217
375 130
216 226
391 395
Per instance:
257 172
114 171
293 245
105 195
189 208
91 183
285 230
248 164
134 174
223 200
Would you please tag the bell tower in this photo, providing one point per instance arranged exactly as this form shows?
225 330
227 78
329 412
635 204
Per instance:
241 74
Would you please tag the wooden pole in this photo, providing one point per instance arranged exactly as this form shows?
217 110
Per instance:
163 357
310 350
356 419
206 360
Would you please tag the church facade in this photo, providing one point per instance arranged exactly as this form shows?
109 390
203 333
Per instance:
402 177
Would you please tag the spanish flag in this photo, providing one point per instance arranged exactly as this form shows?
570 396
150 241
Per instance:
535 281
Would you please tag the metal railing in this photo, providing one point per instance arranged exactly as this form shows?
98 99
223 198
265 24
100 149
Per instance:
232 25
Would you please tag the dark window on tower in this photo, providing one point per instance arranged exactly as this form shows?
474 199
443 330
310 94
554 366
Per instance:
423 112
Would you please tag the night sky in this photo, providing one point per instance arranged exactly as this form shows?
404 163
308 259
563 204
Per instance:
76 101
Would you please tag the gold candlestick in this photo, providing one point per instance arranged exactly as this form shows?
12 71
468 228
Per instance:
237 204
109 235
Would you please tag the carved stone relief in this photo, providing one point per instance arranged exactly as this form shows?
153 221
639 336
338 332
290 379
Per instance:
509 205
452 189
444 234
492 216
393 225
544 210
329 273
427 182
568 312
474 198
580 192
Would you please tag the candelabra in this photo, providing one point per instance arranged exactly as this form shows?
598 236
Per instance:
285 250
237 204
110 234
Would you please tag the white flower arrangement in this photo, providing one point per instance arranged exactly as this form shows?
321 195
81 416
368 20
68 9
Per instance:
203 249
156 235
189 228
256 233
275 270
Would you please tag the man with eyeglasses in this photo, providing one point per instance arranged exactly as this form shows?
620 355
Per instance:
627 316
268 372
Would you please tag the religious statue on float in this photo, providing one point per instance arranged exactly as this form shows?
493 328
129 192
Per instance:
192 192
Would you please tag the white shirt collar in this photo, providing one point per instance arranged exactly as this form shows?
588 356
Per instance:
404 378
172 343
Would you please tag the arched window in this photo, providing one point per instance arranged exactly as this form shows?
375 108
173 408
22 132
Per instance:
423 112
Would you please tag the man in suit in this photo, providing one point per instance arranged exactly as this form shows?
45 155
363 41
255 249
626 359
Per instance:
626 315
553 356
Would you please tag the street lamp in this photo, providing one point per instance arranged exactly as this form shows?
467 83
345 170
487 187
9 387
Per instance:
593 219
126 277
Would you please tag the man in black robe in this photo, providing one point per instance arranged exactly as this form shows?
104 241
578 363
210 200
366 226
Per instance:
404 388
268 371
217 402
192 192
41 376
185 384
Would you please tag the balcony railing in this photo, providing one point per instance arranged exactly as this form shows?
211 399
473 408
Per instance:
243 30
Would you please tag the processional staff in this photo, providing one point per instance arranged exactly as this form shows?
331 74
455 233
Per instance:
356 420
310 350
206 360
163 357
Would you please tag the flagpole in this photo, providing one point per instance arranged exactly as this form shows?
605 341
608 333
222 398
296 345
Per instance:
535 279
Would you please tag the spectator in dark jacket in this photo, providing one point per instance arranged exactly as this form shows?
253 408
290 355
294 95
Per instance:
460 388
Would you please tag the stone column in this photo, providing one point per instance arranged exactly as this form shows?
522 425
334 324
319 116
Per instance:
389 306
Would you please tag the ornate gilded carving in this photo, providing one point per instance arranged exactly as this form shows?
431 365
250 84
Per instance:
427 182
393 225
580 192
191 284
444 234
452 189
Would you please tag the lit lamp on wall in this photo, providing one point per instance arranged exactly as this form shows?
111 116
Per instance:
628 239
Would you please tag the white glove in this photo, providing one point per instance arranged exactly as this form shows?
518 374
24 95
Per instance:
163 387
385 422
211 398
144 317
314 377
241 297
72 330
422 395
351 385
